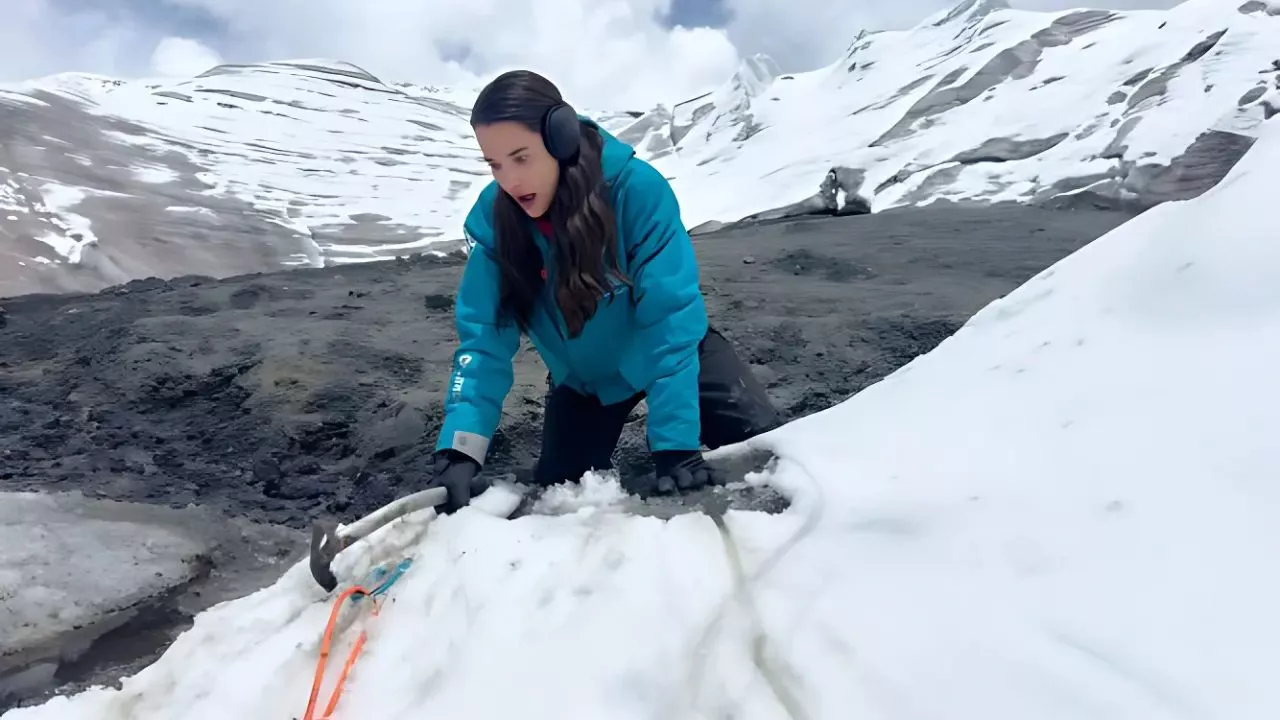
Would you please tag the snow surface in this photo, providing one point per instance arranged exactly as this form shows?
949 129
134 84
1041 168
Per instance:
75 570
77 232
36 607
1066 510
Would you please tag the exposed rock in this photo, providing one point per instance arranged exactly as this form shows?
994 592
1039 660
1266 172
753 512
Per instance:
947 173
968 11
1012 63
1269 7
729 108
1253 95
1136 186
1007 149
648 134
1191 173
838 182
1157 85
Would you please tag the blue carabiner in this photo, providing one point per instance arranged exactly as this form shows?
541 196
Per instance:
384 579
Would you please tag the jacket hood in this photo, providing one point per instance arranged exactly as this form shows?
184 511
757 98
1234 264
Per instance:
614 155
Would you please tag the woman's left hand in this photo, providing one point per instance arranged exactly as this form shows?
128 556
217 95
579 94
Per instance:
684 470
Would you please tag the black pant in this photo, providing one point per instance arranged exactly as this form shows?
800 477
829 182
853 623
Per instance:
580 434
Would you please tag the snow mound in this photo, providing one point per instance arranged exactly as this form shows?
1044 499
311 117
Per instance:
983 103
1066 510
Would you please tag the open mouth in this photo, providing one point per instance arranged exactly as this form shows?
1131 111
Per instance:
526 200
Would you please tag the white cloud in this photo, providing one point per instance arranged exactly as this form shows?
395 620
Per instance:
611 52
38 37
602 53
182 57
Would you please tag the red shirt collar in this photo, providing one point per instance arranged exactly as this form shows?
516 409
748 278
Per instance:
545 226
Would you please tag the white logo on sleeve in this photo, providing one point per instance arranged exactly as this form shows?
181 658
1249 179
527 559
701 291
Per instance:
456 389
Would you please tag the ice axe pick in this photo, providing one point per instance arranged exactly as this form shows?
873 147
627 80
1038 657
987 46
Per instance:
328 538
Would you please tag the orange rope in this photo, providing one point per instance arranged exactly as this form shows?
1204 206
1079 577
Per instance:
324 656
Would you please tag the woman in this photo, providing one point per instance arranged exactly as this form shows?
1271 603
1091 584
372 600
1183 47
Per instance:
578 244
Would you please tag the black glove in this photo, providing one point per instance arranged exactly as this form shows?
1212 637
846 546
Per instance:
683 470
459 475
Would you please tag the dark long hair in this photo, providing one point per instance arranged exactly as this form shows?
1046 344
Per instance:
581 214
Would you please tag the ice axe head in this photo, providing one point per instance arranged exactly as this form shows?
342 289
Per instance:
327 542
325 546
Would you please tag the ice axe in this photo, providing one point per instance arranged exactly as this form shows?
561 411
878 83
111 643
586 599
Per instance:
328 539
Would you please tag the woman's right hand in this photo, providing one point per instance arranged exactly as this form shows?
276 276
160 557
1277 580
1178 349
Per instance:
460 476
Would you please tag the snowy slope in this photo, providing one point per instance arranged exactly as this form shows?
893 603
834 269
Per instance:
1066 510
241 169
244 168
986 103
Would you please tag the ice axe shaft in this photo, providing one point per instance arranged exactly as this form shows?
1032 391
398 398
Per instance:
328 539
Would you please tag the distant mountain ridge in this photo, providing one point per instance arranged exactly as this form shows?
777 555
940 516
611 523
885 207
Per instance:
984 103
246 168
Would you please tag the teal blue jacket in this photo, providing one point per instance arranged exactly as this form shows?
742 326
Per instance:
641 338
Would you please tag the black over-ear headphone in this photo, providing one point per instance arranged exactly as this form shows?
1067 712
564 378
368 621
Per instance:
561 133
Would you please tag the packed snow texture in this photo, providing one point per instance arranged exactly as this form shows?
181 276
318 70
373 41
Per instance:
102 568
316 162
73 569
1066 510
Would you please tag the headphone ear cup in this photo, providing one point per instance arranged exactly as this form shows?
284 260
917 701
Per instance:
560 132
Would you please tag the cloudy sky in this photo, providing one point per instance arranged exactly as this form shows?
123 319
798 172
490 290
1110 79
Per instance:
602 53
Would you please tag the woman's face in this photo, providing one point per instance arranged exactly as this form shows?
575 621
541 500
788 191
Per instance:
521 164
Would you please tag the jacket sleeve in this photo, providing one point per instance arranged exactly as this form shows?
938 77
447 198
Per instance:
482 372
671 315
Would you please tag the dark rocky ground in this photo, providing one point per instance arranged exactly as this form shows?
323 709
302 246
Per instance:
281 396
278 396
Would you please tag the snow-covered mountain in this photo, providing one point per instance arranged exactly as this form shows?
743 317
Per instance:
251 168
985 103
241 169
